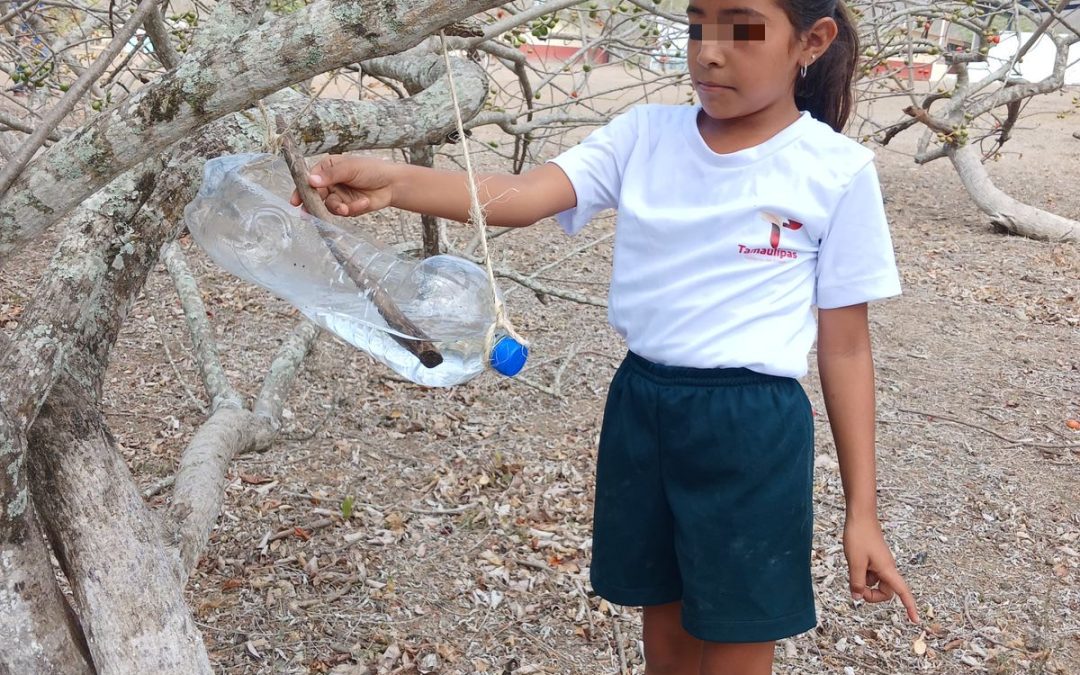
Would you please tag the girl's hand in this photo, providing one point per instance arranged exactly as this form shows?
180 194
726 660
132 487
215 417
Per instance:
871 566
351 186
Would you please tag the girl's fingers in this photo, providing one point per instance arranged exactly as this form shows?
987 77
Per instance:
295 199
857 572
332 171
882 593
359 206
892 580
336 205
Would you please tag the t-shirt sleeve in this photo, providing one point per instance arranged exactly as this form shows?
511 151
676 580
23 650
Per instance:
856 263
595 169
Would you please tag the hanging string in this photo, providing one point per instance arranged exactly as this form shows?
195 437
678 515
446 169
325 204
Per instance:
273 140
476 213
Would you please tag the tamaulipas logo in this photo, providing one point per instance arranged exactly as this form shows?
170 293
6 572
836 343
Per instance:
778 224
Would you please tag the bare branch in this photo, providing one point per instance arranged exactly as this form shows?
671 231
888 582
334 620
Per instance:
514 20
202 336
505 122
30 147
1004 211
17 11
278 382
18 125
200 481
575 252
544 289
160 38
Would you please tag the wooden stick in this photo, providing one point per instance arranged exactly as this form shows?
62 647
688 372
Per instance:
419 345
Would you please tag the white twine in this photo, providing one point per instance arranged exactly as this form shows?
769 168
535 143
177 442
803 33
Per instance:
476 214
272 140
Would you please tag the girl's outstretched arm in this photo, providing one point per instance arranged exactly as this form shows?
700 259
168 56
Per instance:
352 185
847 380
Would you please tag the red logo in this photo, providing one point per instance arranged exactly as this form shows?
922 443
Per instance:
774 251
774 240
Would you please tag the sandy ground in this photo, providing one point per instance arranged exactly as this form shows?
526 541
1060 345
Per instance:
467 546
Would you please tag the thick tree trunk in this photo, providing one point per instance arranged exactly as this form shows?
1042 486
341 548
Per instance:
200 482
38 633
51 329
106 539
1004 211
125 579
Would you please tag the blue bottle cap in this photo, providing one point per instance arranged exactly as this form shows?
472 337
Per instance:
508 356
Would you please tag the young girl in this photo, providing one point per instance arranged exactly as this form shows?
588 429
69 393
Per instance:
735 217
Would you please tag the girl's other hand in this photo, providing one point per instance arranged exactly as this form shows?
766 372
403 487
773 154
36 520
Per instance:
351 186
872 568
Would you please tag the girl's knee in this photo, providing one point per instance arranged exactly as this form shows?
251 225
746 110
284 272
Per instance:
744 658
672 658
669 649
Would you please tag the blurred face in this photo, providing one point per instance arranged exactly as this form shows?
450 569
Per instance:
743 56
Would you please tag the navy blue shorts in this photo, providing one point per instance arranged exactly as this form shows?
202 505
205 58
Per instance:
704 495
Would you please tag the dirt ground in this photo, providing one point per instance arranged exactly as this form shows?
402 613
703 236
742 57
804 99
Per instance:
467 547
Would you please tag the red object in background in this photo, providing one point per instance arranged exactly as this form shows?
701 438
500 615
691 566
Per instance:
921 72
562 53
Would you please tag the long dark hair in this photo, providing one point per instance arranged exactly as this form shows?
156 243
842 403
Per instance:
826 90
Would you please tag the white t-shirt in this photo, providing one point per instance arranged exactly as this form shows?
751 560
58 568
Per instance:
719 257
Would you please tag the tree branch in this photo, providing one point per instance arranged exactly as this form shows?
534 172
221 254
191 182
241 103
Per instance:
16 124
278 382
125 579
31 145
217 384
160 38
199 490
1004 211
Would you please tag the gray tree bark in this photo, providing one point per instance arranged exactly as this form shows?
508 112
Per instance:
1005 212
37 628
126 582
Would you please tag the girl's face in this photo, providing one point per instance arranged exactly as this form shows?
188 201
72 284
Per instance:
743 56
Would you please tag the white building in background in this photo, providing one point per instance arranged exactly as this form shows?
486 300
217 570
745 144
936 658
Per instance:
1036 65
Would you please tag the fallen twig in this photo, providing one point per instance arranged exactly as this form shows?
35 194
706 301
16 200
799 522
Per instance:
295 531
623 669
336 595
444 512
157 487
1014 441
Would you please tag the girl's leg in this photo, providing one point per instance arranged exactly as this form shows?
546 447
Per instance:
669 649
747 658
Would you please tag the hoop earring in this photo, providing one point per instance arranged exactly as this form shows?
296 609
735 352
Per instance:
802 71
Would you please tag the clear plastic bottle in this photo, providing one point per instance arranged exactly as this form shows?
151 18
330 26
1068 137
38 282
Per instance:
428 320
